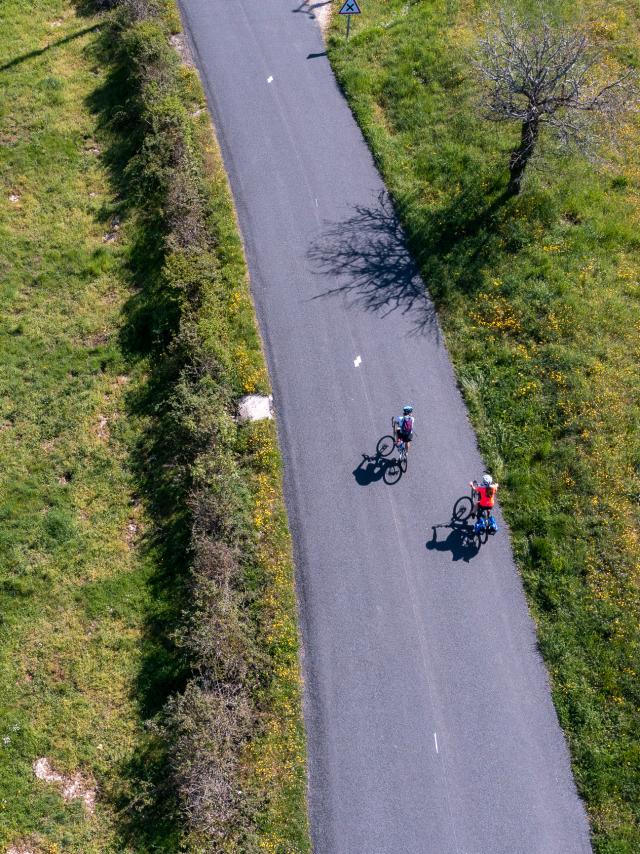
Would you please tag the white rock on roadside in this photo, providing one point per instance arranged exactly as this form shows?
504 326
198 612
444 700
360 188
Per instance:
254 407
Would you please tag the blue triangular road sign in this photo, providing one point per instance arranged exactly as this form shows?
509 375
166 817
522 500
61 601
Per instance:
350 8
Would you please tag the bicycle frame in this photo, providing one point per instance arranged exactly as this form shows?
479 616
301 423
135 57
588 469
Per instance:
400 444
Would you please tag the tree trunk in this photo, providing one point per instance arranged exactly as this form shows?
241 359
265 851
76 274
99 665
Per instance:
522 154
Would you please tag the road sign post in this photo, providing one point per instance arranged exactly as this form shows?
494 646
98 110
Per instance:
349 8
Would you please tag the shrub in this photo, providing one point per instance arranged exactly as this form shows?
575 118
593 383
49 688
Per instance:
208 728
217 636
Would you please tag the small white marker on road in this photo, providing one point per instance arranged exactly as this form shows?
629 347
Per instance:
357 361
435 738
270 79
316 203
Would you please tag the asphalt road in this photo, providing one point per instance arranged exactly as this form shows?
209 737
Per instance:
427 707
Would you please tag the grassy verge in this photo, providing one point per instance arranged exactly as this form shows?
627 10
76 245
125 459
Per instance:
148 635
74 594
538 296
231 736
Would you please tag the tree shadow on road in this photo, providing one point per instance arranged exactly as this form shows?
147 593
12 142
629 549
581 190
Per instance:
367 254
372 257
308 9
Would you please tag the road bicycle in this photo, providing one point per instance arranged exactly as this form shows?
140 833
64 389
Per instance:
463 510
386 445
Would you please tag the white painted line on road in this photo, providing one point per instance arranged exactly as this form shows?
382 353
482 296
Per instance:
316 203
435 738
357 361
270 79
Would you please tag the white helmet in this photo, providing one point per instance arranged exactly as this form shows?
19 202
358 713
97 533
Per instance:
487 480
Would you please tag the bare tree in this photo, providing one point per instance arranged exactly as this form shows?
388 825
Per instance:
541 75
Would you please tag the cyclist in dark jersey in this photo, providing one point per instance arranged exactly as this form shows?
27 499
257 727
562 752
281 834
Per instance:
403 426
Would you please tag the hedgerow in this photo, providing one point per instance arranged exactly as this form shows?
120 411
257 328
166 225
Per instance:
194 319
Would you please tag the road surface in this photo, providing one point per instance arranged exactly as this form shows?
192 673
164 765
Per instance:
429 718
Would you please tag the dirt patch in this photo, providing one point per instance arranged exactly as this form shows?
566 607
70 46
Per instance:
131 532
111 235
102 428
25 847
56 23
179 44
26 679
8 137
97 339
73 787
323 15
133 527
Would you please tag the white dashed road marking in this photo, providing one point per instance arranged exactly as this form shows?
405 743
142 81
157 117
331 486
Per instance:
357 361
435 738
270 79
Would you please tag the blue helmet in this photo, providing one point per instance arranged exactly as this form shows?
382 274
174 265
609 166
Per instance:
408 409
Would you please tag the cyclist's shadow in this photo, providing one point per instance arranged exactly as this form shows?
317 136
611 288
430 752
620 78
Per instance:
379 467
461 541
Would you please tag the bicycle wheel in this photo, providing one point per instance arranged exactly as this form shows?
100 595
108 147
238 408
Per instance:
462 509
392 473
482 537
403 460
385 446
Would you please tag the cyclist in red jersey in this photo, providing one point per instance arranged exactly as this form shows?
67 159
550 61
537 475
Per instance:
486 494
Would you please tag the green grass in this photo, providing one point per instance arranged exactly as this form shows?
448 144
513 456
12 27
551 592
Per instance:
95 540
74 592
538 297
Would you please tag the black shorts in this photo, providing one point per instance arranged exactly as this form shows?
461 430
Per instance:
406 437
